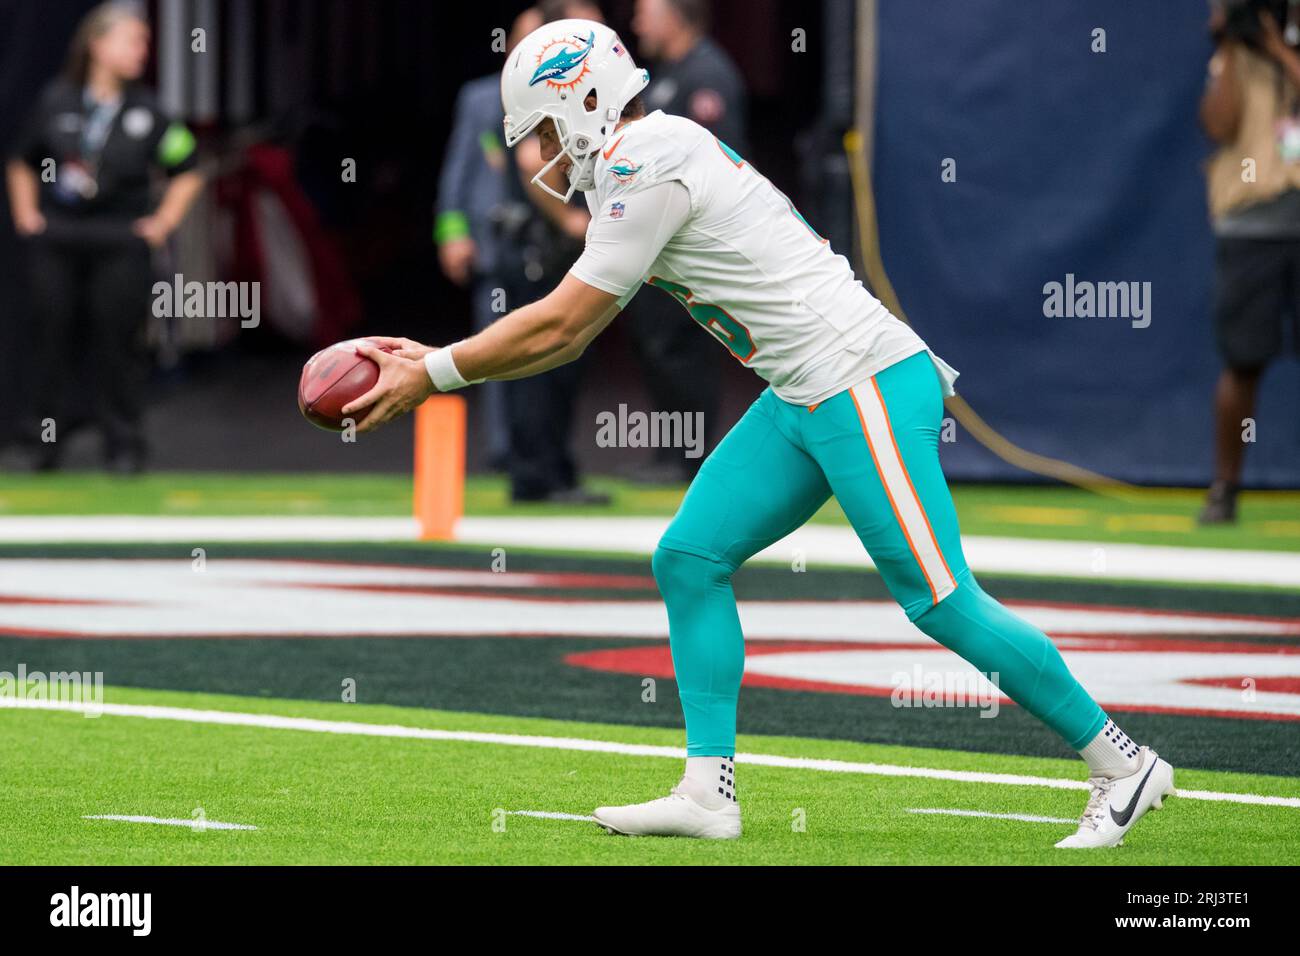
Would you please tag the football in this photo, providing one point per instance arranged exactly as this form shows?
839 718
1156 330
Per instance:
333 377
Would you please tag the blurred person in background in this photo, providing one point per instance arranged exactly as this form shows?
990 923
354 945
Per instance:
690 76
543 237
509 244
471 188
79 182
1251 108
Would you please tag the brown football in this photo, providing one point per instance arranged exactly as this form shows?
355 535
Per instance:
333 377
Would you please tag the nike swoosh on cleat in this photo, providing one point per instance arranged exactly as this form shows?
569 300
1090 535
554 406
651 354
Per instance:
1123 818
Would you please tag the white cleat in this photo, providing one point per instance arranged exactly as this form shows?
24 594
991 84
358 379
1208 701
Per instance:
677 814
1115 805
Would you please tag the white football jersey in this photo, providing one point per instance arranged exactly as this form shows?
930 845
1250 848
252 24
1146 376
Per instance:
740 258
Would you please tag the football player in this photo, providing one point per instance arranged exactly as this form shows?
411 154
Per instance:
853 409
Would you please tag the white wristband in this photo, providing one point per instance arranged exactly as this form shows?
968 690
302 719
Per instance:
443 372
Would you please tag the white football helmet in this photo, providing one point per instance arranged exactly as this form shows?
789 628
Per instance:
551 73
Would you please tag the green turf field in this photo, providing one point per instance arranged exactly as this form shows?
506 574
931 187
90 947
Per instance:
323 796
327 798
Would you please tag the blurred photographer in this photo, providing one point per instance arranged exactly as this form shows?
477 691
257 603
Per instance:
1251 108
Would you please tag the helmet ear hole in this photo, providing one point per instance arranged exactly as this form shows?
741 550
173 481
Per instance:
591 100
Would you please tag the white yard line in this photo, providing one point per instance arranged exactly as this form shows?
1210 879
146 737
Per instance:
108 529
550 815
1023 817
169 822
313 725
816 544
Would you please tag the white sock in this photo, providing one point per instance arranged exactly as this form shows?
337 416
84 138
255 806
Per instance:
711 781
1112 753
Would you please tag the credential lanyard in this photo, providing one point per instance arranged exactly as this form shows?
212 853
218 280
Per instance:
95 129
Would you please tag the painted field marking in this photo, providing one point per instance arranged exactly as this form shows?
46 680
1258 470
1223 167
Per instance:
582 744
1024 817
164 821
821 544
550 815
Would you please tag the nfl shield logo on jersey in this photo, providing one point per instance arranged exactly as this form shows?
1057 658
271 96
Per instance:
616 211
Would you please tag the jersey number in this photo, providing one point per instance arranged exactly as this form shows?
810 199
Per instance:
724 327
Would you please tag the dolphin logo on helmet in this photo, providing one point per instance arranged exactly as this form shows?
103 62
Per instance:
566 60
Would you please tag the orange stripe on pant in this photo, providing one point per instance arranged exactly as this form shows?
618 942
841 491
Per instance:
911 487
887 458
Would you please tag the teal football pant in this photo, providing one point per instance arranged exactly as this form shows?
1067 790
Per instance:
874 446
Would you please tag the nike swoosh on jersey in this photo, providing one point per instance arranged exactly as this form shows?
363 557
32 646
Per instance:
610 152
1122 818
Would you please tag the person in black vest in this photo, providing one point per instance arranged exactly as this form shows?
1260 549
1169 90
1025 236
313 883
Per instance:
79 180
539 237
690 76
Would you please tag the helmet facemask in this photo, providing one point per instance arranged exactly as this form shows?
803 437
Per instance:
581 150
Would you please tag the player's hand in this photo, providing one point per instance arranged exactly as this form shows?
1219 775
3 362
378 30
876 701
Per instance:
456 257
403 384
402 347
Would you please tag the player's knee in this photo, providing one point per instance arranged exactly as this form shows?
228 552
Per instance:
949 620
681 574
929 615
933 622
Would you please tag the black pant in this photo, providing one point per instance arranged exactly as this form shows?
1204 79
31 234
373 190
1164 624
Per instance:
540 413
683 370
90 304
539 416
1257 296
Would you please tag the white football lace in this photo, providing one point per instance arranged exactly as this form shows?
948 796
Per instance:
1098 802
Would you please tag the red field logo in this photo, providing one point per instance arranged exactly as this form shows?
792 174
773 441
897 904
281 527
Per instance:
1133 659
